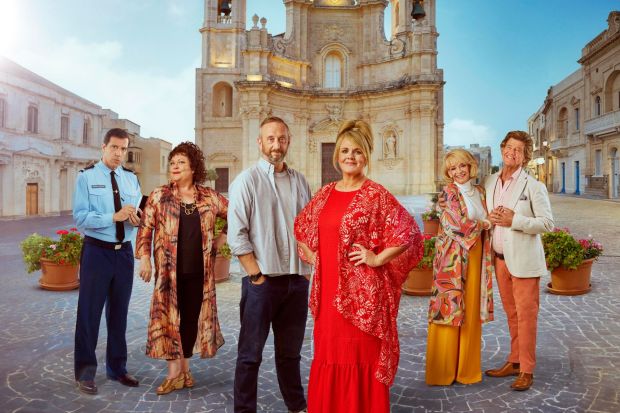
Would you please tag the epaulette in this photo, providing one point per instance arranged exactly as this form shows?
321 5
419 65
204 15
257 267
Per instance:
127 169
91 166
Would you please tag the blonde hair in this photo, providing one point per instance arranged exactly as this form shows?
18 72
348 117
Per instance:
456 156
360 133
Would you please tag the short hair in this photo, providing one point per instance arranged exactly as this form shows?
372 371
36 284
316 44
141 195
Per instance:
274 119
459 155
115 132
360 133
196 159
524 137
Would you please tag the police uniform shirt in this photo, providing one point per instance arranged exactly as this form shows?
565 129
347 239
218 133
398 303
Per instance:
93 201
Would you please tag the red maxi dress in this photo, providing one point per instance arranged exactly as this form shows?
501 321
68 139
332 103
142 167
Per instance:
342 375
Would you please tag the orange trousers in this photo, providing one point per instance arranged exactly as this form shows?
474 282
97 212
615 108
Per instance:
520 298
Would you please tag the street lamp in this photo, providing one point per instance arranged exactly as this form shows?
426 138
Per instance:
417 12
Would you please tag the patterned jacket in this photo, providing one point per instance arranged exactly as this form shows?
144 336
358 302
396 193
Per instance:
367 297
457 235
160 225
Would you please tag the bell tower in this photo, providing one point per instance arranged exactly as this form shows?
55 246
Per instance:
223 37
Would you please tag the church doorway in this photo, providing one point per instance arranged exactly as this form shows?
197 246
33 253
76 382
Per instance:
221 183
328 172
32 199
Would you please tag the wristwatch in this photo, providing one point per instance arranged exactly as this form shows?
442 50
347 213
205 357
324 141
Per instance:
255 277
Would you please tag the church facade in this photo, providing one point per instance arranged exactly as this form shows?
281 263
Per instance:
333 63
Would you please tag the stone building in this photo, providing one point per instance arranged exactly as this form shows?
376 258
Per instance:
333 63
577 128
482 155
47 134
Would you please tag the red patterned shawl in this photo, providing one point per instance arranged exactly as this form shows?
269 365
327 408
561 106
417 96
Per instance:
367 297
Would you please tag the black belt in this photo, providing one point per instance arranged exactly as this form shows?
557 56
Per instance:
106 244
500 256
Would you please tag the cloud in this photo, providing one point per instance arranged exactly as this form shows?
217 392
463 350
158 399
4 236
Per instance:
466 131
162 105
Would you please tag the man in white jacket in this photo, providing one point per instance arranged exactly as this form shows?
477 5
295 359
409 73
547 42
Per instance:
520 212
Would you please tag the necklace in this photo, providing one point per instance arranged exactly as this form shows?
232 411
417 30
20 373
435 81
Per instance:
188 208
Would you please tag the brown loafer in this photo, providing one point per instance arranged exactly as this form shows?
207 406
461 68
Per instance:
188 380
508 369
126 380
170 385
523 382
87 386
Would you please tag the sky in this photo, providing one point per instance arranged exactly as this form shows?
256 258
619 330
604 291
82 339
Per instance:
138 57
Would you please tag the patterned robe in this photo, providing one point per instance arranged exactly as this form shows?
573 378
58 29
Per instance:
367 297
160 225
457 235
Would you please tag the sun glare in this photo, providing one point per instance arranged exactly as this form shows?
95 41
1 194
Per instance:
8 25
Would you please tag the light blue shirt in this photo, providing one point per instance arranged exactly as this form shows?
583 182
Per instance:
93 201
258 223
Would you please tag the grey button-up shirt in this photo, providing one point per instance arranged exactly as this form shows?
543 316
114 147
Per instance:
257 222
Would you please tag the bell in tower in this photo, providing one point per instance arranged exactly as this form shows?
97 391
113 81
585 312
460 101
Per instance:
224 8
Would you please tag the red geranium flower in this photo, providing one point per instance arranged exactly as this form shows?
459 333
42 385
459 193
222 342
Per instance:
62 232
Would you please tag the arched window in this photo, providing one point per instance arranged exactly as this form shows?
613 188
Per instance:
222 100
612 92
562 125
86 131
333 71
597 106
33 119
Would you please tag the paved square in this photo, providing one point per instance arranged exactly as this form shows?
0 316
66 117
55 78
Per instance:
578 343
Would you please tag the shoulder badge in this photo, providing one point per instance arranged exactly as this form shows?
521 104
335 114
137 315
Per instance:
90 166
127 169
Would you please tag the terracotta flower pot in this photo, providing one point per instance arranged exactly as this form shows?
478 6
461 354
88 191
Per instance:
571 282
58 277
419 282
431 227
221 269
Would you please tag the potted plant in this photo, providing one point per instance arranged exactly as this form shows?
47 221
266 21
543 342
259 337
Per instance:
420 279
58 260
430 217
570 261
221 267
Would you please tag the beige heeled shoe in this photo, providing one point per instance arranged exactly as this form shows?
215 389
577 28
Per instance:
188 379
170 385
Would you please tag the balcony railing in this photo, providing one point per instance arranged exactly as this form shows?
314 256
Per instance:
224 19
607 123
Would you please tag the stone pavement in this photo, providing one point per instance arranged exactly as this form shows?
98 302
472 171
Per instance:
578 354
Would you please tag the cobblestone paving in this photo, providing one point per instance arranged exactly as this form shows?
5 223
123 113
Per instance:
578 351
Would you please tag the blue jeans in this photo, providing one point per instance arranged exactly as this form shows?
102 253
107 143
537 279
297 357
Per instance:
106 277
282 303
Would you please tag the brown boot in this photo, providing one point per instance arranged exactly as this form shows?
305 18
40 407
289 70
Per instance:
508 369
523 382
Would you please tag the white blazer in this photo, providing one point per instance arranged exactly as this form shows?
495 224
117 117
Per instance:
523 249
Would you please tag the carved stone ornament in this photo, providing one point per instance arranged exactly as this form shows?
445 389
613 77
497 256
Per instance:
574 101
333 32
334 111
222 157
312 146
390 164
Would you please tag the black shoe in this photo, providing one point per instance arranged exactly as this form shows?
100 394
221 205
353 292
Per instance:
126 380
87 386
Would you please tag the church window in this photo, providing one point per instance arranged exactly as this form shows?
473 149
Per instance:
85 131
64 127
333 71
597 106
2 112
562 123
576 118
33 119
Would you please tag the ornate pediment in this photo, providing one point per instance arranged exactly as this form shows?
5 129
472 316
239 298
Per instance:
326 126
222 157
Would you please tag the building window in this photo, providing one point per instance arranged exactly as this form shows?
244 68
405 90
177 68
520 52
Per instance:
576 118
2 112
562 123
597 106
129 156
333 71
64 128
598 162
85 131
33 119
222 100
163 162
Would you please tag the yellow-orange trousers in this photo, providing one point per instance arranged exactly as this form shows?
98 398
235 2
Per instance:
453 353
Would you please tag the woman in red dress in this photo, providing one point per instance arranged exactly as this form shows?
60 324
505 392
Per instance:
362 243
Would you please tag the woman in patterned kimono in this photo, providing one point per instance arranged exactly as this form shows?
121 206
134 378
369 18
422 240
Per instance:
462 296
362 243
179 221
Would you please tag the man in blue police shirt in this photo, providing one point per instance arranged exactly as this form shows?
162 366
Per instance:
105 206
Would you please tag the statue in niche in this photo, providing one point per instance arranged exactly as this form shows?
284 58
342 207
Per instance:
390 146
